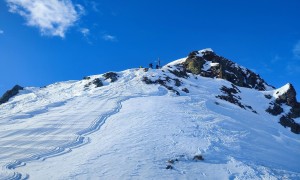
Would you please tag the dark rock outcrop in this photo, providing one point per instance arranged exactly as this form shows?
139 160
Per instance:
86 78
111 75
180 72
185 90
275 109
223 68
289 122
97 82
198 158
289 98
10 93
162 82
231 95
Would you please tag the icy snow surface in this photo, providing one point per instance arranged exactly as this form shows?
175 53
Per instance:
129 130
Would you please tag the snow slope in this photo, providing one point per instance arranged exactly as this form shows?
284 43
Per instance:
130 130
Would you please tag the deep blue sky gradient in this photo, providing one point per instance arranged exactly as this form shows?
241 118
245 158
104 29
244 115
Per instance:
257 34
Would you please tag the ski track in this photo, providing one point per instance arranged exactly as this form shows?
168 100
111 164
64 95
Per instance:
196 125
81 136
60 150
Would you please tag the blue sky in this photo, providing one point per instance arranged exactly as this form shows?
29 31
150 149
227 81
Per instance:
42 42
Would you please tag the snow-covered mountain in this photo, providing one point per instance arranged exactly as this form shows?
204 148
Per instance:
200 117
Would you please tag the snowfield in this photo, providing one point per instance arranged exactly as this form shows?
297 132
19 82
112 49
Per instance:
132 130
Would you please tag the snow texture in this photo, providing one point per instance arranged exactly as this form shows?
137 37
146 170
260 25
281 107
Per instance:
132 130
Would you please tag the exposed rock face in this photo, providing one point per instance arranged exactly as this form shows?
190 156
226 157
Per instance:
275 109
10 93
230 94
289 122
208 64
286 95
163 82
97 82
111 75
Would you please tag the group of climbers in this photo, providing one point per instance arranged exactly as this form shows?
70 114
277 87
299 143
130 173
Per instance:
157 65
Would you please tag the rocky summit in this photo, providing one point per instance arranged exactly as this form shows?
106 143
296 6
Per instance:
208 64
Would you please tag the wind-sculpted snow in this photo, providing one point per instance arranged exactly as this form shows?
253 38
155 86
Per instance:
129 129
53 128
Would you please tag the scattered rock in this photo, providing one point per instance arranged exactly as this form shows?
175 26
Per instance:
268 96
10 93
289 122
96 82
230 95
177 82
161 82
172 161
86 78
198 158
185 90
180 72
111 75
275 110
169 166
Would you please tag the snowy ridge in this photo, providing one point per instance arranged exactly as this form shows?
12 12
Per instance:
139 124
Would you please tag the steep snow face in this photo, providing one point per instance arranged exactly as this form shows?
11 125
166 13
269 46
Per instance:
146 124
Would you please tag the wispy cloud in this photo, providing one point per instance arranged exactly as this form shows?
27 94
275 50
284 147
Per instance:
52 17
1 31
85 31
296 50
293 68
95 6
108 37
292 65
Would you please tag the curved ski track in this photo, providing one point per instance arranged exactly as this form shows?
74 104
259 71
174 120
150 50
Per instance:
80 141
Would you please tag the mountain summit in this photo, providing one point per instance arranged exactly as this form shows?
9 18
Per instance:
199 117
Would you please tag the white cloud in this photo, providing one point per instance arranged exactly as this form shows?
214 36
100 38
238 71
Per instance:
108 37
52 17
296 50
85 32
1 31
95 6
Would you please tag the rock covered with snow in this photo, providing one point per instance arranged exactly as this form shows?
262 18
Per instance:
285 105
286 94
208 64
10 93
